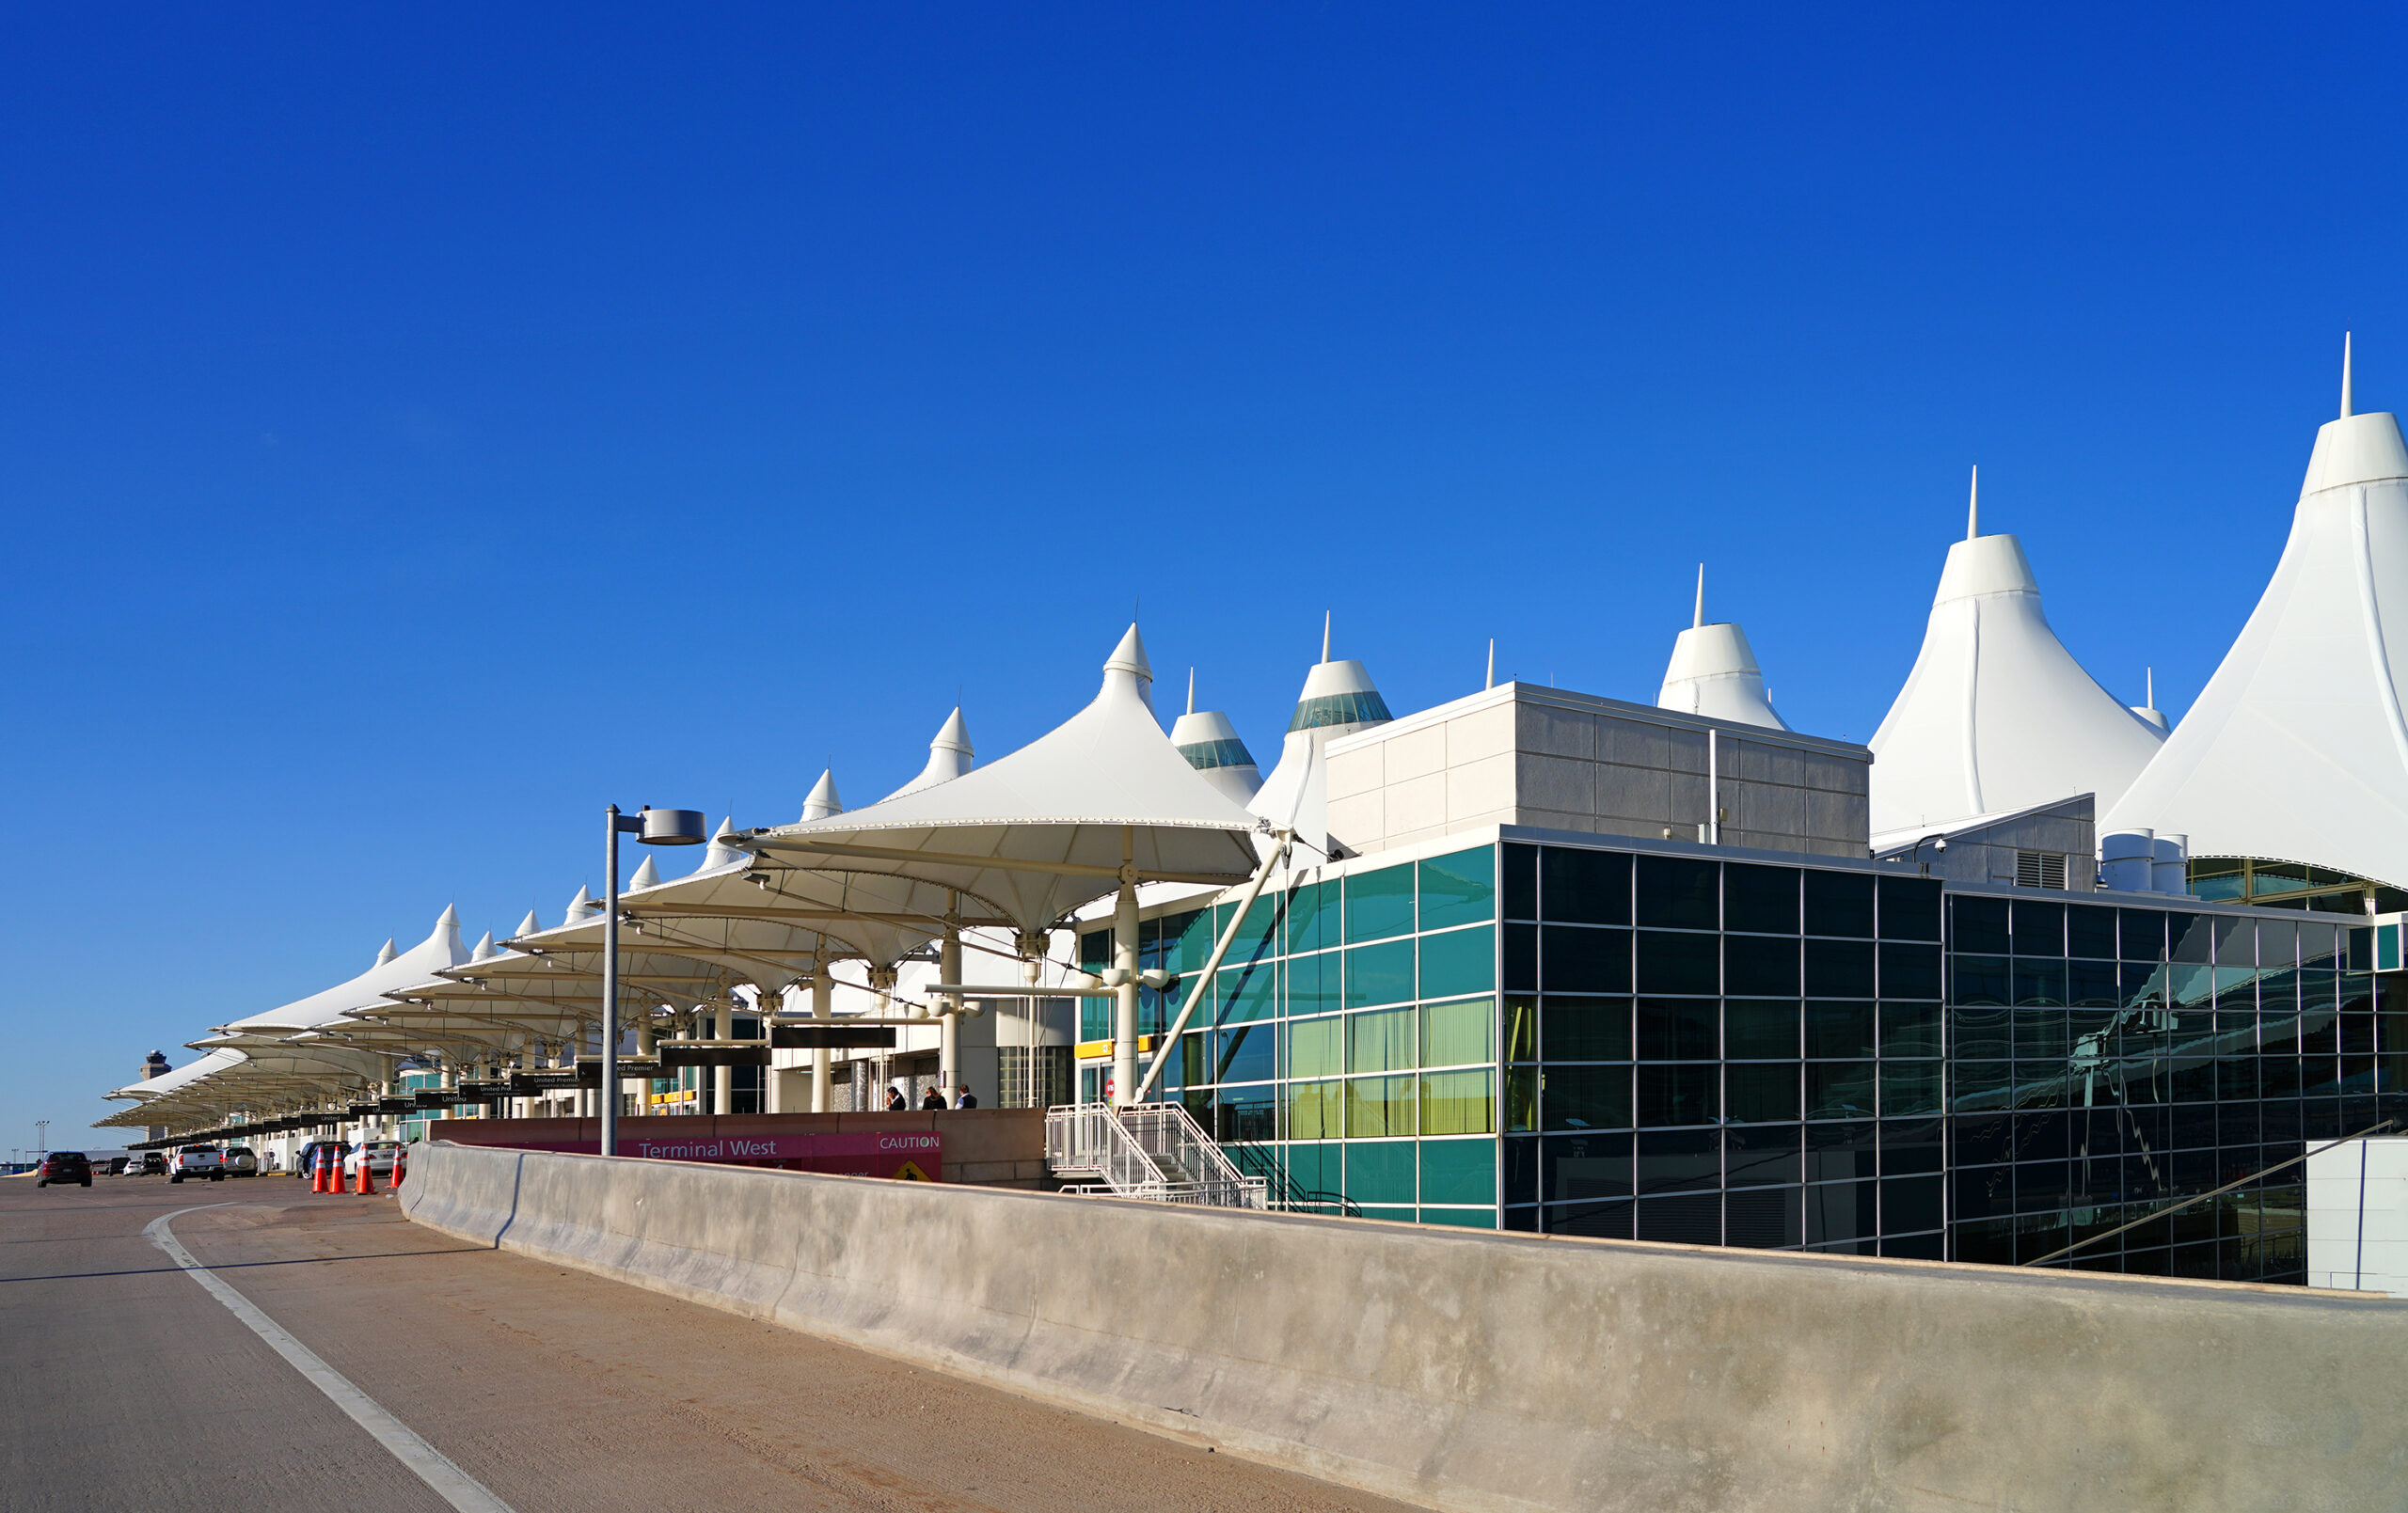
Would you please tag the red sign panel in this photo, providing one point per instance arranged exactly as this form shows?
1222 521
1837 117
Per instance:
876 1153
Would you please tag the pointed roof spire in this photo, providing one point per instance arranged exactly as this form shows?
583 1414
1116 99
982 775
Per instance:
1190 690
385 953
1973 505
1492 664
1324 635
529 925
1714 673
823 801
955 736
647 875
2147 709
579 907
2346 411
484 950
949 757
1697 616
1127 660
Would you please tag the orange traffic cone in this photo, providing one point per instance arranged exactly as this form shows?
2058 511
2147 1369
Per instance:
318 1170
401 1166
367 1178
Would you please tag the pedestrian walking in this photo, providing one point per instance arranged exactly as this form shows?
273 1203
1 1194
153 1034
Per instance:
933 1097
967 1101
895 1102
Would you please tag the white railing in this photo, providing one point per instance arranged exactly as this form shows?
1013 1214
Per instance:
1154 1151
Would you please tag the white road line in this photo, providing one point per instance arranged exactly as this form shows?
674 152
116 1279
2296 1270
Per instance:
454 1486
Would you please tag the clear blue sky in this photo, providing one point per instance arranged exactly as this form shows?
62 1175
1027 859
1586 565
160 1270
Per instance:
422 425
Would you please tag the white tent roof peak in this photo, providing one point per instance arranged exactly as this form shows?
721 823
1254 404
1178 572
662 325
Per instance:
2297 749
1997 715
485 949
528 926
823 801
1714 673
1211 744
949 757
1127 660
647 875
385 953
2147 709
1338 699
719 853
1040 831
1324 635
579 907
1974 504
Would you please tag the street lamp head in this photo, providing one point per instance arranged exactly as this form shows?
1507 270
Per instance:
674 826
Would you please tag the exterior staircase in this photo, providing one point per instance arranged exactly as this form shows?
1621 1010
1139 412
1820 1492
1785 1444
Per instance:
1153 1151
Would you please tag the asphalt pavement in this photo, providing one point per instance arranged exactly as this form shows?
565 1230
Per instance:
128 1385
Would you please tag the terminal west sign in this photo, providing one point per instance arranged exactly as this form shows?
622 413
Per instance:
911 1154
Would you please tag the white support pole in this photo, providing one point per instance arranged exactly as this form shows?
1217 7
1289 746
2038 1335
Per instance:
949 1037
822 987
773 1098
1212 965
1124 960
722 1078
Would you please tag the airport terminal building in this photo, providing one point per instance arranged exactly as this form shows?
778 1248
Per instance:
2032 970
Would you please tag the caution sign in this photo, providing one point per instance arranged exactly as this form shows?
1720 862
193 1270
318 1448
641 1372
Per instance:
909 1171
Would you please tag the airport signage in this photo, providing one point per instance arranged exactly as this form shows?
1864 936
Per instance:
916 1155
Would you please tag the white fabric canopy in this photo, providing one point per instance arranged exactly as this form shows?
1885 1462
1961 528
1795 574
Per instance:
1997 715
2296 749
1038 832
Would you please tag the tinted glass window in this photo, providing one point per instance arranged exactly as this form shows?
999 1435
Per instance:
2090 932
1586 961
1584 887
1839 968
1760 968
1760 1031
2039 929
1586 1028
1379 903
1838 1030
1670 962
1910 908
1519 884
1676 893
1910 971
2141 935
1678 1029
1760 899
1839 903
1459 890
1980 925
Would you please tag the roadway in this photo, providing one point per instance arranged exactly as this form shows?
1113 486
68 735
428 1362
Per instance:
130 1385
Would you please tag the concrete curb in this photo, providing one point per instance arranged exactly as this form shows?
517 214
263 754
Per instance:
1468 1370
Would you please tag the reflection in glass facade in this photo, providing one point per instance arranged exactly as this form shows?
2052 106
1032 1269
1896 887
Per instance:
1588 1041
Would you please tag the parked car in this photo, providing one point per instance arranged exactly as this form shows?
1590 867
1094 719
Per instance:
378 1154
307 1161
241 1160
147 1163
116 1165
197 1162
63 1166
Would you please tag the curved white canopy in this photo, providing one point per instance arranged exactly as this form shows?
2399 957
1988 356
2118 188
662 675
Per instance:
1037 833
1211 744
1714 673
1997 715
441 948
949 757
2296 750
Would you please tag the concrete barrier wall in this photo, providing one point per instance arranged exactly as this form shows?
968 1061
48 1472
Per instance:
1469 1370
993 1148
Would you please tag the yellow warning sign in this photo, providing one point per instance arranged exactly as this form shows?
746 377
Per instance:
909 1171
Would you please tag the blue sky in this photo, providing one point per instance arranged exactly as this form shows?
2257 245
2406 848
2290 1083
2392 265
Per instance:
421 426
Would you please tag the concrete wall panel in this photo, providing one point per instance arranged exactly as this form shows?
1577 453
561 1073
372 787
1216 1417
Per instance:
1501 1371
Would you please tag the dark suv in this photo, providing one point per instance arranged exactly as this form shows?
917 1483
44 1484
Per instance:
63 1166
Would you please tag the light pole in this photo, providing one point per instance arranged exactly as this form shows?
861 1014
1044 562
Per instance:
41 1136
652 826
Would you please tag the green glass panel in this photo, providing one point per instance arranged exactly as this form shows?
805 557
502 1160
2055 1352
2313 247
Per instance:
1095 1018
1246 993
1380 1172
1460 961
1459 1170
1313 984
1381 1042
1459 1103
1190 942
1378 1107
1258 936
1379 903
1317 1170
1760 1031
1760 1092
1839 1089
1315 1049
1585 1029
1379 974
1459 889
1458 1033
1312 917
1315 1110
1461 1218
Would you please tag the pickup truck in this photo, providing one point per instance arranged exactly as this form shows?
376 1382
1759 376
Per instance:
197 1162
